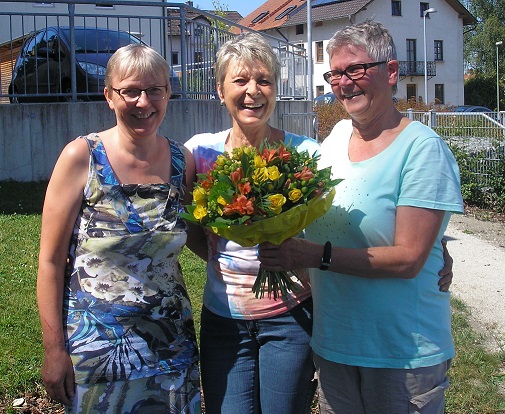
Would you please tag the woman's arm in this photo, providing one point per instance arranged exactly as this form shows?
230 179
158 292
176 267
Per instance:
61 208
415 234
196 241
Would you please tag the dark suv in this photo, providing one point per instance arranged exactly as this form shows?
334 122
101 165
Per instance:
43 68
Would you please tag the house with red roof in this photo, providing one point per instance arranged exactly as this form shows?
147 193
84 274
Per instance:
440 32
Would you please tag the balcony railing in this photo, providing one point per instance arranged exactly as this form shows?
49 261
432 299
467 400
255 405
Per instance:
416 68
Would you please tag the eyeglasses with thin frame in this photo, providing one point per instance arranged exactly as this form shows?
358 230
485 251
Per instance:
154 93
353 72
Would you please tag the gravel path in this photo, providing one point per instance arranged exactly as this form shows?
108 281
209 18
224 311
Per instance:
478 249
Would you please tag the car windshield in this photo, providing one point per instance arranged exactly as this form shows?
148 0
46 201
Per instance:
100 41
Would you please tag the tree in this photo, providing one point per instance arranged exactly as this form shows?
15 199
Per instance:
480 51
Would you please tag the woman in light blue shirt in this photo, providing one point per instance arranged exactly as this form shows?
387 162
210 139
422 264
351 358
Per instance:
382 330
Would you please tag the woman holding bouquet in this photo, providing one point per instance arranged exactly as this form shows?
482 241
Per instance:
382 331
117 323
255 354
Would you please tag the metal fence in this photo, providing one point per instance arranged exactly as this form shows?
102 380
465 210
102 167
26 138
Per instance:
480 136
187 37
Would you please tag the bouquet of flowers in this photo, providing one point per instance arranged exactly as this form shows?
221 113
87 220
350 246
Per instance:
268 194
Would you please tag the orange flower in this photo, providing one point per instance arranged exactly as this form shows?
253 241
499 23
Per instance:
241 205
244 188
236 176
269 154
306 174
284 154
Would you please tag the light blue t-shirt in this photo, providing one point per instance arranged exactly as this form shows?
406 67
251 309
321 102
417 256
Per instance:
385 323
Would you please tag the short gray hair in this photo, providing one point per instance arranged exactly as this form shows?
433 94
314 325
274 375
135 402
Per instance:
247 48
136 60
371 36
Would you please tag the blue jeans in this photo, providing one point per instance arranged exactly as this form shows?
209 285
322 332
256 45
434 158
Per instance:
257 366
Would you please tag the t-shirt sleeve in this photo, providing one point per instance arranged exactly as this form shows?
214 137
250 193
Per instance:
430 177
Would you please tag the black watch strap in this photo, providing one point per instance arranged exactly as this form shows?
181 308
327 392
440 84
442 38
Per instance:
326 259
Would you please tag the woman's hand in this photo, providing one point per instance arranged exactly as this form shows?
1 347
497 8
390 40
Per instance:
294 253
446 272
58 376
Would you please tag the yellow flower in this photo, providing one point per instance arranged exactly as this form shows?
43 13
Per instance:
221 200
273 173
200 212
220 160
276 202
260 175
295 194
259 161
199 196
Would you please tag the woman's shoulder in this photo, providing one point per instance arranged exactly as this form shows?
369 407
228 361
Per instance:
301 142
207 139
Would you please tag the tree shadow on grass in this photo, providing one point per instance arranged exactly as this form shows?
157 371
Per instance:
22 197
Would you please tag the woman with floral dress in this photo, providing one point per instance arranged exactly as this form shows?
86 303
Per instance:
117 323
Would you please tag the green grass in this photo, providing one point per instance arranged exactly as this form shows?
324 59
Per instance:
476 375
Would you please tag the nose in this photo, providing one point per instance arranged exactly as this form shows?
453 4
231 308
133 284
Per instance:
344 79
252 88
143 99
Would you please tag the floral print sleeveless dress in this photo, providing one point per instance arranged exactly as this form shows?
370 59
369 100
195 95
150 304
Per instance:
127 314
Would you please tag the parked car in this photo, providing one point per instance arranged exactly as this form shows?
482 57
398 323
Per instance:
328 97
471 108
43 68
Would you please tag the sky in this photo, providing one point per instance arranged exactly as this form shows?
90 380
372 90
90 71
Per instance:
244 7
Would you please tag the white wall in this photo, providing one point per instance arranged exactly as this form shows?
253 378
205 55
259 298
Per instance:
445 25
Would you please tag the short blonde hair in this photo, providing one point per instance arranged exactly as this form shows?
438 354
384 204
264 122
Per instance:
247 48
136 60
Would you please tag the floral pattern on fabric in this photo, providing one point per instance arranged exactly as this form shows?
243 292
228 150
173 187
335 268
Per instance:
127 312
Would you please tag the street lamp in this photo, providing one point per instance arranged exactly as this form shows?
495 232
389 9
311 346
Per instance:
497 80
425 13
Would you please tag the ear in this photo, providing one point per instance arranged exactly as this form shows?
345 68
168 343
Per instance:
220 92
108 98
393 68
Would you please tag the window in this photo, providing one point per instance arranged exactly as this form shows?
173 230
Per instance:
175 58
260 16
411 91
301 51
319 90
285 12
439 93
299 29
319 52
439 49
411 57
423 7
396 8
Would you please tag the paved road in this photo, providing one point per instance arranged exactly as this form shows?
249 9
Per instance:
479 281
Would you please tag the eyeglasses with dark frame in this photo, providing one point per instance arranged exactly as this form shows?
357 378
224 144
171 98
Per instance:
154 93
353 72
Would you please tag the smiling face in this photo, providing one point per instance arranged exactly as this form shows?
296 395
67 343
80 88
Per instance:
142 117
369 95
249 93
